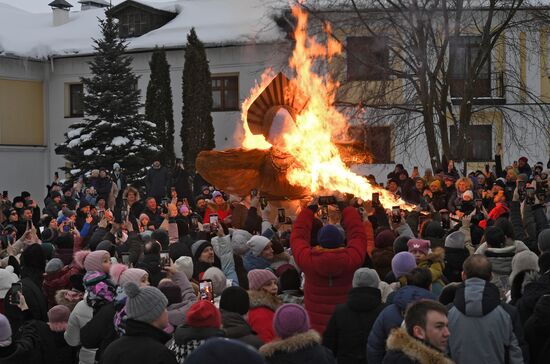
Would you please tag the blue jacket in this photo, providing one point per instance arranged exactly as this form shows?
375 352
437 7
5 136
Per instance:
250 261
392 317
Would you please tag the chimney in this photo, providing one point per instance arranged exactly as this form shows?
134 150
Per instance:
93 4
60 10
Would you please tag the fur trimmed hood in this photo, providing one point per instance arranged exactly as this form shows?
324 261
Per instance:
264 299
291 344
400 340
213 207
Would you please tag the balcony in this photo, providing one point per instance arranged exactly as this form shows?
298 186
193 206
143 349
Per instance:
487 91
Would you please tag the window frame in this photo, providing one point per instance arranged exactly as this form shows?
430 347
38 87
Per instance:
222 88
486 143
378 61
469 45
70 113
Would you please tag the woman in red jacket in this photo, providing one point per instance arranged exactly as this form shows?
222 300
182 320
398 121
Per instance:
263 302
329 267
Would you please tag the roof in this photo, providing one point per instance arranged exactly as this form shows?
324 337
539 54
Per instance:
217 22
61 4
167 9
98 2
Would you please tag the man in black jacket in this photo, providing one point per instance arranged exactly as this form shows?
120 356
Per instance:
424 338
349 327
144 339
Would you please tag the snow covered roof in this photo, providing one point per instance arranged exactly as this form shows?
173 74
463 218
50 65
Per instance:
216 22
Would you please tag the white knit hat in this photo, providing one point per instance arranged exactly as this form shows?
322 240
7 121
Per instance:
257 244
184 264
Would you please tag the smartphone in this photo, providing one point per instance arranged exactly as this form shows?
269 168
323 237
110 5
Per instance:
530 195
101 214
194 223
281 216
445 219
396 214
324 213
327 200
14 296
213 219
206 291
479 203
263 202
521 186
165 259
375 199
253 193
125 258
124 215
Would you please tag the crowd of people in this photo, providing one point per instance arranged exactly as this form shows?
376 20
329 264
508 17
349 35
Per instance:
188 274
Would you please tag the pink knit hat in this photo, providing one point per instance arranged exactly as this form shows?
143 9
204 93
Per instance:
418 245
94 261
121 274
257 278
58 316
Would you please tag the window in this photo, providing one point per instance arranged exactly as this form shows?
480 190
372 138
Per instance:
225 93
76 104
463 52
375 140
134 23
481 143
21 113
367 58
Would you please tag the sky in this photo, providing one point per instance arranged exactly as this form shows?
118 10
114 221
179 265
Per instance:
41 6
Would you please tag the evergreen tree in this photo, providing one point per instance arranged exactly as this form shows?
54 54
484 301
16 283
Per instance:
197 131
112 130
158 105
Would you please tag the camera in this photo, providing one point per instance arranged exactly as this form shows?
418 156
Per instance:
530 195
396 214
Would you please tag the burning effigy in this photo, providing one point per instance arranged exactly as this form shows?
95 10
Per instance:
296 143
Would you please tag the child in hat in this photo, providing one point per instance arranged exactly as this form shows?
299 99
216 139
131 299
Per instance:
263 302
433 260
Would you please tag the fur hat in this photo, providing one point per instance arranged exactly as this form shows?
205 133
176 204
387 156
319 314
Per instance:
257 278
257 244
203 314
290 319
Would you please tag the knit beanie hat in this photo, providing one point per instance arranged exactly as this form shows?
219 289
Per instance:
400 244
523 261
185 265
365 277
216 194
543 240
58 316
290 319
33 257
235 299
48 235
171 291
290 278
121 274
107 246
198 247
329 237
143 217
436 184
419 245
94 261
402 264
54 265
495 236
455 240
384 239
203 314
221 350
257 278
219 280
5 331
257 244
469 194
144 304
239 238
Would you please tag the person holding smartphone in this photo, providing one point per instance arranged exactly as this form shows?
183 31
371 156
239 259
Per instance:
217 206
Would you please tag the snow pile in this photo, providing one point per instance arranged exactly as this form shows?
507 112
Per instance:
118 141
215 21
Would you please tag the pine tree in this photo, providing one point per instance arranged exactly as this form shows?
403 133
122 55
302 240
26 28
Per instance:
158 105
197 130
112 130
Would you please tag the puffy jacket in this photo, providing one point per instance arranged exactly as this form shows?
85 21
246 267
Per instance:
390 318
350 325
236 327
328 272
490 330
250 261
260 316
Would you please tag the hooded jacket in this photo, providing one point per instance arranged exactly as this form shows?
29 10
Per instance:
260 315
390 318
350 325
303 348
531 294
491 330
404 349
537 332
328 272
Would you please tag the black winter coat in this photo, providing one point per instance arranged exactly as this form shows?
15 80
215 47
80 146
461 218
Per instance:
64 353
236 327
303 348
537 332
454 258
142 344
151 264
99 332
38 305
531 294
157 182
32 344
349 327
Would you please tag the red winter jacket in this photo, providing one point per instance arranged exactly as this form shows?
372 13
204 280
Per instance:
328 272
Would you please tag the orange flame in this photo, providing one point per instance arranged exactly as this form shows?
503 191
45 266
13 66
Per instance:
319 166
